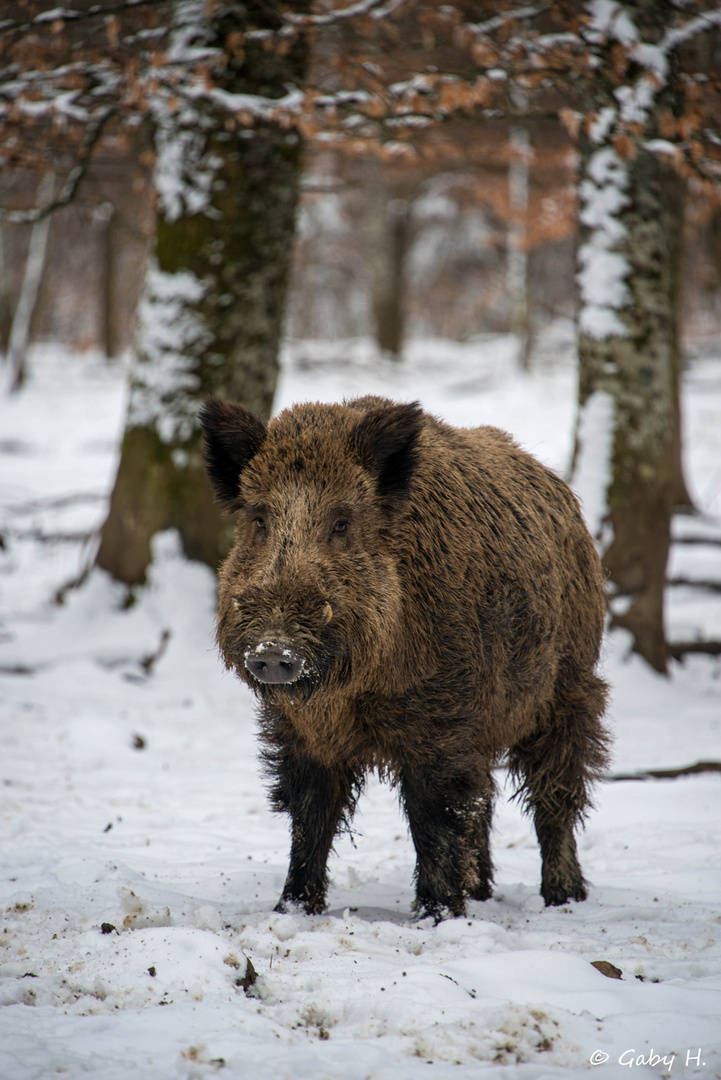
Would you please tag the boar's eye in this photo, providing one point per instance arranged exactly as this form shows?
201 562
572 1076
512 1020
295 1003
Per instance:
259 522
340 528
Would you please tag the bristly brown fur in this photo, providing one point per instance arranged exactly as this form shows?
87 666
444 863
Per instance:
466 611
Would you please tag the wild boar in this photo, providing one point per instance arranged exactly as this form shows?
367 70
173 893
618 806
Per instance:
420 600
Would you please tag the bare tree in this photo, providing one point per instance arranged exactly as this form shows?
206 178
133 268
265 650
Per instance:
19 336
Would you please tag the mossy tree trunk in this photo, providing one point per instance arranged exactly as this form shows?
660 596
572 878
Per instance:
628 372
211 315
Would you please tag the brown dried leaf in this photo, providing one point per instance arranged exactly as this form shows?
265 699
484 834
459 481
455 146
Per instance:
112 31
607 969
484 54
689 124
625 147
571 120
667 124
235 44
250 978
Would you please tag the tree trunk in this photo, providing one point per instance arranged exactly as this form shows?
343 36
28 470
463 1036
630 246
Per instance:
5 312
518 276
682 500
389 223
389 288
108 224
631 228
21 327
211 316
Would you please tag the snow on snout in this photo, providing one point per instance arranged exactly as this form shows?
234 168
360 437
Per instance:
277 653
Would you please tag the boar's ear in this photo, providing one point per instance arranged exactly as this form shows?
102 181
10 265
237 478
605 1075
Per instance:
232 436
385 441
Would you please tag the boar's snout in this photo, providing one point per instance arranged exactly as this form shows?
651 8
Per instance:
274 663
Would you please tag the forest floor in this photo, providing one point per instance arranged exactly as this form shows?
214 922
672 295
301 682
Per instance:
140 862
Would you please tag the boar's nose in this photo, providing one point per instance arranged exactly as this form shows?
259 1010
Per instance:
271 662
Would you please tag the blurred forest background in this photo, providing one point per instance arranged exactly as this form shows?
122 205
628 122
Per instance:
447 235
186 181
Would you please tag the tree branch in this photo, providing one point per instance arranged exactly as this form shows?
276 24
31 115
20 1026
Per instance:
73 181
97 11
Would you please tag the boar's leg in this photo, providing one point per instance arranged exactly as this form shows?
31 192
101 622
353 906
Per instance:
482 889
557 766
449 821
319 801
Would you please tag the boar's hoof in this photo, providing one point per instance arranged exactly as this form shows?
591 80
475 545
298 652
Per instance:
274 663
556 893
439 912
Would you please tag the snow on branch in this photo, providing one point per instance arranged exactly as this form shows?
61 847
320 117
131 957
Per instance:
174 66
609 20
700 24
250 105
58 15
377 9
497 22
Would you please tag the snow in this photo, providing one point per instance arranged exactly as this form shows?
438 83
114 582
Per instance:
171 335
637 100
362 7
602 268
183 175
592 471
264 108
699 24
607 18
141 863
499 21
661 146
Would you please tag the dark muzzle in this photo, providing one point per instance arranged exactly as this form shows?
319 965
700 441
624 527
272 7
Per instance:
273 662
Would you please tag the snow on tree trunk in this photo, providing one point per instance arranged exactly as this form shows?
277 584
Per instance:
211 315
631 214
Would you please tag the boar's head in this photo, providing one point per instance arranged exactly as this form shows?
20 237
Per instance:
309 597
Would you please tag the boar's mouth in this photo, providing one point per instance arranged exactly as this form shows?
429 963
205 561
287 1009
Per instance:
275 663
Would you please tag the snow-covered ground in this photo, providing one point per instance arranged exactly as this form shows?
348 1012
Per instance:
140 862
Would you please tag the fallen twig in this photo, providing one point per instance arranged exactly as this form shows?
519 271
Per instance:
678 649
670 774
